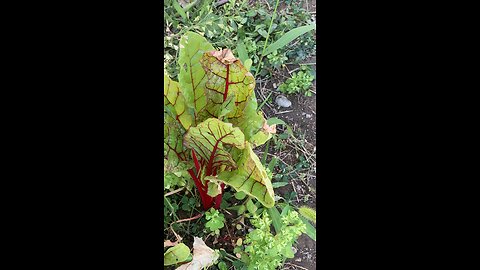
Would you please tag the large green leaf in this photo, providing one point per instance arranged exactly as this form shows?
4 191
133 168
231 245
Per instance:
250 177
192 76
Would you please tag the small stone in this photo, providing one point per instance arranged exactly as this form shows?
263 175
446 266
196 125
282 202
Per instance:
308 115
238 255
282 101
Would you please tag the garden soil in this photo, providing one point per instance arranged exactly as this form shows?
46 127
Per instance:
301 116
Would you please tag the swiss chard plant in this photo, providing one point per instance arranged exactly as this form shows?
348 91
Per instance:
211 124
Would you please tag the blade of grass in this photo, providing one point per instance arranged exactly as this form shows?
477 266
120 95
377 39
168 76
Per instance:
311 231
279 184
264 159
179 9
276 219
266 40
272 163
265 101
285 210
189 6
242 52
289 37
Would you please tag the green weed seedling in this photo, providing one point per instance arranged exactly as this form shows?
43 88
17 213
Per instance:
300 82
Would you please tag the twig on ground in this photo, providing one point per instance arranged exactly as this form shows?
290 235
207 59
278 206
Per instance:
173 192
296 193
311 64
293 70
266 2
294 265
169 243
283 112
187 219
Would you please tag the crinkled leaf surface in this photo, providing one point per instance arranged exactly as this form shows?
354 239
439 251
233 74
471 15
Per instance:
251 121
209 140
230 92
226 76
250 177
173 97
176 254
172 140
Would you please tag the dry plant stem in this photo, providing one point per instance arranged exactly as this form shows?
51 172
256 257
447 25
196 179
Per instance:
179 238
266 2
296 193
293 70
283 112
310 64
297 266
187 219
229 234
175 191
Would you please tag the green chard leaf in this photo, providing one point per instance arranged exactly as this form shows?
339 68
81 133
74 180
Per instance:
226 76
174 98
227 81
192 76
250 177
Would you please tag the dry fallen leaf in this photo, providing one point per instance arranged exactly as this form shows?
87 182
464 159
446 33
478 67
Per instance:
203 256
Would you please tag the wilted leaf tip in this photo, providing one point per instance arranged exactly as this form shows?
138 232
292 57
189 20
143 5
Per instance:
225 56
269 129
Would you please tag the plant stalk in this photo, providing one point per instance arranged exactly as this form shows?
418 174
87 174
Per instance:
266 41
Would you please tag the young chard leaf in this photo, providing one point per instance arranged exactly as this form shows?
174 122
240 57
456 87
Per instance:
250 177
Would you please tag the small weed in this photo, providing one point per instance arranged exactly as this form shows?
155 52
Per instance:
300 82
216 221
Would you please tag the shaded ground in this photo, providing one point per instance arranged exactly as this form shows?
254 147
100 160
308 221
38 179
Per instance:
301 117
